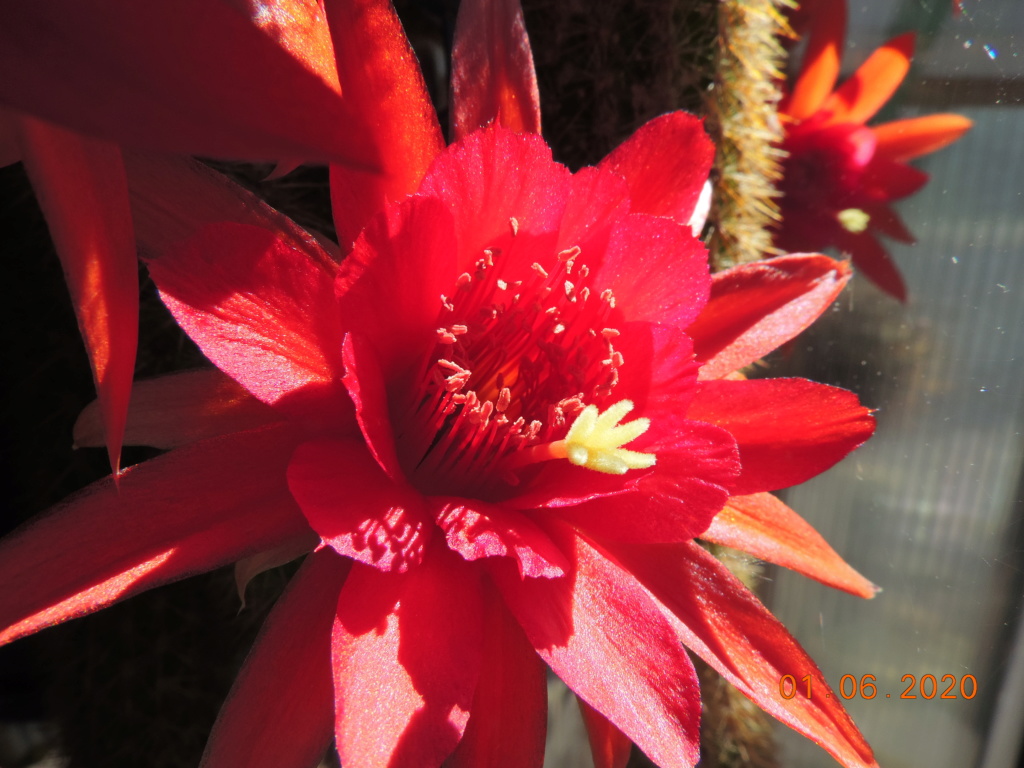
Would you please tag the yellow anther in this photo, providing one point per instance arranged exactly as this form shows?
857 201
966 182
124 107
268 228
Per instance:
595 440
853 220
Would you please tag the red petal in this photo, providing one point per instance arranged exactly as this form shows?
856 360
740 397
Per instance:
389 288
788 430
252 566
180 408
598 200
264 314
769 530
660 372
873 84
384 87
609 746
657 270
106 544
300 27
355 508
280 712
906 139
508 719
476 529
81 187
885 220
665 162
886 180
724 624
492 69
757 307
604 636
174 198
677 499
821 61
561 484
194 77
365 385
490 177
874 262
407 658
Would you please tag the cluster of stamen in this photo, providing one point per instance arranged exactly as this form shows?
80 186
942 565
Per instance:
519 364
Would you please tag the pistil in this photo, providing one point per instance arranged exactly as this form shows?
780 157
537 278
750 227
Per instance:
595 441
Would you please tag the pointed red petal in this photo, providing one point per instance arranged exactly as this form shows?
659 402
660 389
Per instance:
597 201
491 177
788 430
174 198
280 712
886 180
508 720
384 87
264 314
364 383
475 529
885 220
178 409
821 62
874 262
357 510
492 69
755 308
769 530
906 139
407 655
300 27
609 746
252 566
238 92
604 636
873 84
723 623
396 273
661 373
81 187
665 162
657 270
105 543
677 499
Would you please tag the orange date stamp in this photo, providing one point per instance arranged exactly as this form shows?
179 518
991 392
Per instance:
866 687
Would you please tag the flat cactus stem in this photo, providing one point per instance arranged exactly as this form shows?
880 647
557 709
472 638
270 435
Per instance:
745 125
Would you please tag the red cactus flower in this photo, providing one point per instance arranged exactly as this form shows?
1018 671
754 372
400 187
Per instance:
841 175
498 425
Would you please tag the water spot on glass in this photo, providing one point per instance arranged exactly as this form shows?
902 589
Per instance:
955 260
992 52
968 44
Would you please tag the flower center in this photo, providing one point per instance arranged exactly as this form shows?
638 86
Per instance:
518 359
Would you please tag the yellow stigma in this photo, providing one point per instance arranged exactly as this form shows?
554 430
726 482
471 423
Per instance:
595 440
853 220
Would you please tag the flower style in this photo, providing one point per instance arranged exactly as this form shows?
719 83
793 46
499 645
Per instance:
497 426
841 175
